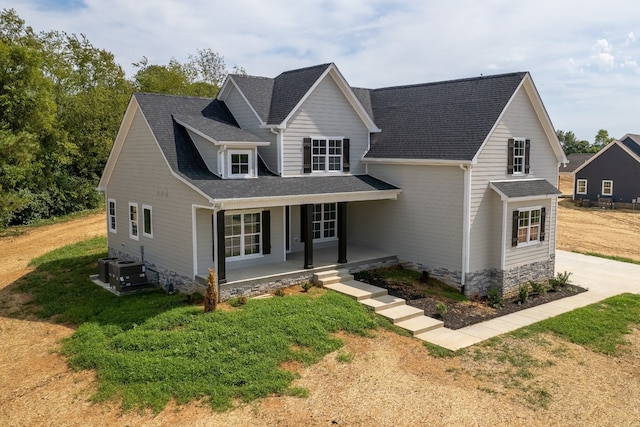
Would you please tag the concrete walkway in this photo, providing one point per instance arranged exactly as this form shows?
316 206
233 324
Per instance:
602 277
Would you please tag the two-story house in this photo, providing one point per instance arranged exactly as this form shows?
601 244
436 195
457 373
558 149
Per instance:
457 177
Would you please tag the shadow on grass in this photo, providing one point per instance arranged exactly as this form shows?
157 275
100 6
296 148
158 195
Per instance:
60 291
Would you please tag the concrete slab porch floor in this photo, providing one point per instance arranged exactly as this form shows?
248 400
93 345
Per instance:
602 277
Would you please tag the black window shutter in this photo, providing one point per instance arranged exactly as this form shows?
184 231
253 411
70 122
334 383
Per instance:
306 151
510 146
266 232
514 230
542 217
527 153
345 155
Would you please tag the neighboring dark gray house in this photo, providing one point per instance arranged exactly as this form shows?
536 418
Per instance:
612 174
456 177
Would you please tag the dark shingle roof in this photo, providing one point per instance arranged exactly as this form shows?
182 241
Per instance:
632 142
258 91
364 96
575 161
447 120
289 88
217 130
525 188
211 115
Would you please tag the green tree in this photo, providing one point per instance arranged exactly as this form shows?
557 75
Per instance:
601 140
201 75
571 144
61 102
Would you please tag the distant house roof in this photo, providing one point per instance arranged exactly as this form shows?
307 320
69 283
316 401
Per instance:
575 161
524 188
447 120
164 113
632 141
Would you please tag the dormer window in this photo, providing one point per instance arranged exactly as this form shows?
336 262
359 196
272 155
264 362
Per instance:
240 163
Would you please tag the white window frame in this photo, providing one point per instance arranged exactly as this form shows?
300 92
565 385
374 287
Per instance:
134 221
243 235
519 155
111 216
144 221
326 157
578 184
250 160
325 222
528 228
607 181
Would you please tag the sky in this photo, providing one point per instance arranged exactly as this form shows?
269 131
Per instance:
584 56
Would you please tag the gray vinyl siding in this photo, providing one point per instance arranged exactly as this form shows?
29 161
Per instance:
424 225
208 151
142 176
249 122
326 112
516 256
204 241
519 120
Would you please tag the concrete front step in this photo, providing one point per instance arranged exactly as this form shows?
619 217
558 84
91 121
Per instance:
420 324
401 313
328 277
357 290
383 302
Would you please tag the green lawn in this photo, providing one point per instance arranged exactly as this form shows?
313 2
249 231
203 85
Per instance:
148 348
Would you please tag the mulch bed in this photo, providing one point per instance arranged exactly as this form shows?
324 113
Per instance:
461 314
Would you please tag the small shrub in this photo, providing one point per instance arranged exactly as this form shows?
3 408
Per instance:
238 301
441 308
306 286
494 297
523 294
538 287
279 292
211 298
561 279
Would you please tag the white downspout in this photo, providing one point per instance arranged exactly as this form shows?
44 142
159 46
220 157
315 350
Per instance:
466 228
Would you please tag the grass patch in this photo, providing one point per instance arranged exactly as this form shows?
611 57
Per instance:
600 327
611 257
441 352
148 348
344 357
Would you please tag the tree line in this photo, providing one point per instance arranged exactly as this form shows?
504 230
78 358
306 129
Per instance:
571 144
61 103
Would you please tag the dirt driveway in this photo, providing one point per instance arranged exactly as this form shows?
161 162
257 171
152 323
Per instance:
392 380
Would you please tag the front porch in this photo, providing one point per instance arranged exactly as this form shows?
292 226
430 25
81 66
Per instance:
253 280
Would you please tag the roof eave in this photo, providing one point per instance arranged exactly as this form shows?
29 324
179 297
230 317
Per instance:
416 162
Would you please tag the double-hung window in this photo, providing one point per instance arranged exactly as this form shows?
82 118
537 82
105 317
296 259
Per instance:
518 156
113 225
133 221
581 186
325 221
528 226
242 234
607 187
326 155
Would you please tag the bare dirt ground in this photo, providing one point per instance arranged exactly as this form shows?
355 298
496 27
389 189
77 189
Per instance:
391 381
